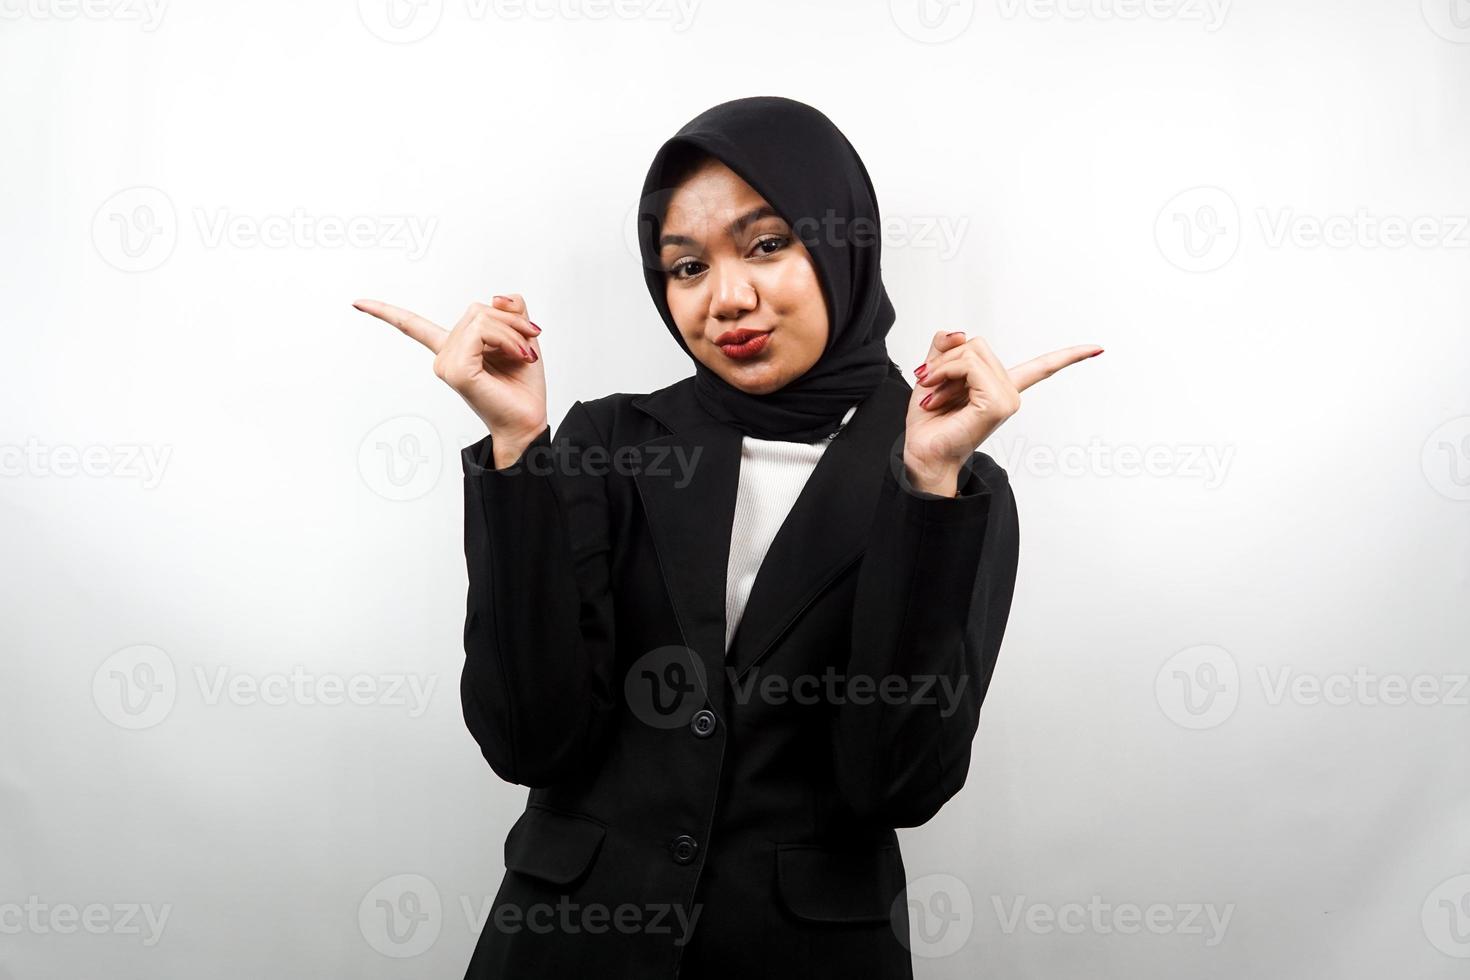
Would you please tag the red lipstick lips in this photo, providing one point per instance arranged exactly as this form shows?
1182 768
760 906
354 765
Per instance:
742 344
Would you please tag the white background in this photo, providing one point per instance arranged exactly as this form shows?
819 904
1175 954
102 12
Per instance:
216 472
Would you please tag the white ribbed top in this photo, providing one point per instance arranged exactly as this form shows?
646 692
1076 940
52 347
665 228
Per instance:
772 474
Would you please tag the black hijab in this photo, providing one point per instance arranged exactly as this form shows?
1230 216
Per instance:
795 158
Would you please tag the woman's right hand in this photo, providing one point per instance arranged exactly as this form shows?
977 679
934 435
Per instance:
492 360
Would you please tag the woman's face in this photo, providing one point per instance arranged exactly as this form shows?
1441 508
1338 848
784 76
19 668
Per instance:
742 289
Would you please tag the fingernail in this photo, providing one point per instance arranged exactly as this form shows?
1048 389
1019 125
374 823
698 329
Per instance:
504 298
533 323
535 357
925 402
525 351
1093 355
955 333
920 371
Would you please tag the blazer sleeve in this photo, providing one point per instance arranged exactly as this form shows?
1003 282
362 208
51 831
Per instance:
933 596
537 689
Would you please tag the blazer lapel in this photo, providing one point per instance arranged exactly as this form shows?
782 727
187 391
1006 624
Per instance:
689 498
826 529
687 482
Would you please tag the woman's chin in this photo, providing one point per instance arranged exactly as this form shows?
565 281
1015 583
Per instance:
759 377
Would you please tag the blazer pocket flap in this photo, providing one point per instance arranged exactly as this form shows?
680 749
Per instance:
553 846
822 884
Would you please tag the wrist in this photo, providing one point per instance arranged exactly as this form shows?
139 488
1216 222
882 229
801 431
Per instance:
941 479
509 447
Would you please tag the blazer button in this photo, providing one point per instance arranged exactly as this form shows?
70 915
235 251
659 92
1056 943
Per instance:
703 723
684 849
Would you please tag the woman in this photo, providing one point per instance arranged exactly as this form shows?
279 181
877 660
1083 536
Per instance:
718 759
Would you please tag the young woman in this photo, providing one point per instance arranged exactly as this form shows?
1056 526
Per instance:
718 758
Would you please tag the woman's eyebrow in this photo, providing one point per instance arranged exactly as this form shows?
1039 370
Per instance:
733 228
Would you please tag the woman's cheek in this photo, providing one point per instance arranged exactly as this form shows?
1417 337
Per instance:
795 294
686 316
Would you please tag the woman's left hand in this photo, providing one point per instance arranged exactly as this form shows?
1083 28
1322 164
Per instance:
963 395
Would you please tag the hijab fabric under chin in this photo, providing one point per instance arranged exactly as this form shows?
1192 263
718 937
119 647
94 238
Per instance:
805 168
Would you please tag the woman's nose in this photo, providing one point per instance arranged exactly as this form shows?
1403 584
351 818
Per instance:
733 294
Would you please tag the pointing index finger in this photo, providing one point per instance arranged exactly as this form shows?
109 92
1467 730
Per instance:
425 331
1027 374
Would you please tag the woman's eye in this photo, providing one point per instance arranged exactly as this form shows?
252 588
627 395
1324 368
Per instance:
689 268
778 241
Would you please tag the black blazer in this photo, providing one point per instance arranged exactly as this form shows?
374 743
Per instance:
694 814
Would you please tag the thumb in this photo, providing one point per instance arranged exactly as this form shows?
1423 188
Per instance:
511 303
944 341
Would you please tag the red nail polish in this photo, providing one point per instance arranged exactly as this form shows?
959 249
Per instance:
533 323
925 402
1093 355
920 371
